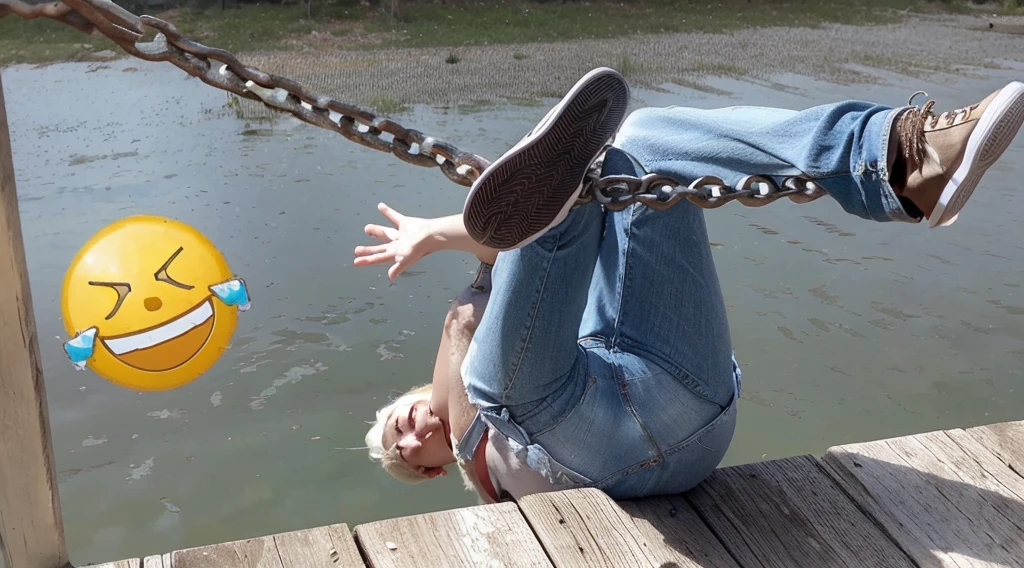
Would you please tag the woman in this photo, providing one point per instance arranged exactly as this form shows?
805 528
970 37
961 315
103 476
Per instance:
601 356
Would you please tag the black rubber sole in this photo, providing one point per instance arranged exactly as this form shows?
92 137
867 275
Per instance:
527 191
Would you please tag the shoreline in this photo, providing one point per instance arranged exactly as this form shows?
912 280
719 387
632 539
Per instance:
393 79
390 80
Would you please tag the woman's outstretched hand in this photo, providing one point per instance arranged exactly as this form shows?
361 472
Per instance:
402 245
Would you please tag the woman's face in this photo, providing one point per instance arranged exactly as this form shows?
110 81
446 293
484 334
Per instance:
420 435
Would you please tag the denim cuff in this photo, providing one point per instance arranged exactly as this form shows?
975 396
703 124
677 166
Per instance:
876 157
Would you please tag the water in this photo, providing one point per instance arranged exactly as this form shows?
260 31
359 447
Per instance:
847 331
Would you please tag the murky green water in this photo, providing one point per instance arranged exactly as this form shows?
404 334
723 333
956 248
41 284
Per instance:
847 331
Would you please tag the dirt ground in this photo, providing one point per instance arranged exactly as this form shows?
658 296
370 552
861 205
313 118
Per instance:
952 44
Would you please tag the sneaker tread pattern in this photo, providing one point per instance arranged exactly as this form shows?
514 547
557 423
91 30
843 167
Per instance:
525 194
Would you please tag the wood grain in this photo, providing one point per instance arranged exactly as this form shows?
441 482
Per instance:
258 552
789 513
31 528
128 563
331 546
157 561
585 528
944 504
482 536
1004 441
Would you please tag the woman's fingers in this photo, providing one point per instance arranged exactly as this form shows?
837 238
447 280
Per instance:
381 232
368 250
377 254
401 265
403 262
373 259
391 215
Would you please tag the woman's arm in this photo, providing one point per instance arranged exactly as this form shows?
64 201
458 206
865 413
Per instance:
459 326
407 242
449 233
442 374
413 238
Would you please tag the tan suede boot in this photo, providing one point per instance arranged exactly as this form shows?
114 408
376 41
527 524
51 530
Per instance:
946 155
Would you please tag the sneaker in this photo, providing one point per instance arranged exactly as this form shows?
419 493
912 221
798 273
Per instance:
946 155
533 186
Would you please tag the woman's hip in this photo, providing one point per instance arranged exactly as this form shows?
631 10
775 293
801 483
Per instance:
682 467
634 428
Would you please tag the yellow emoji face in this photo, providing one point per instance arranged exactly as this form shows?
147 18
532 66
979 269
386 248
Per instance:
151 304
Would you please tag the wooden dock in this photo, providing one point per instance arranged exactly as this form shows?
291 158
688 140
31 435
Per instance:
953 499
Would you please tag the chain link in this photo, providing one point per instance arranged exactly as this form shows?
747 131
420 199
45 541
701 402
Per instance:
221 69
660 192
54 11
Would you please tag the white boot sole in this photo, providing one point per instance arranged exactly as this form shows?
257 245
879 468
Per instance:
996 129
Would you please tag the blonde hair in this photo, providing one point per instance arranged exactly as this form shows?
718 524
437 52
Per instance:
390 458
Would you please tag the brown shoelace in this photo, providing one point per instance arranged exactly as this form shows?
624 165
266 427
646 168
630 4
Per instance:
911 129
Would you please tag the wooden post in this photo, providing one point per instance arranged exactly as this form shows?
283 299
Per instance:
31 528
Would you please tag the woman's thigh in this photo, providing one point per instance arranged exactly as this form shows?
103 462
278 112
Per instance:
525 350
684 466
655 293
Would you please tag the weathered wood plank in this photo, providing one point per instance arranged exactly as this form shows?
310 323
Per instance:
944 505
987 471
31 528
680 528
157 561
1005 441
322 546
127 563
258 552
585 528
485 535
789 513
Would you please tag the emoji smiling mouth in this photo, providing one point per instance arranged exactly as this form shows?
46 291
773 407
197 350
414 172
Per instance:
165 346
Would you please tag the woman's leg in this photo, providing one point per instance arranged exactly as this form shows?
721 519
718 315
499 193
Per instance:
844 147
879 162
655 294
655 291
525 349
661 416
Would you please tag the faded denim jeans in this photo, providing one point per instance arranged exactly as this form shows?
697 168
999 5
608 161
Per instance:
605 355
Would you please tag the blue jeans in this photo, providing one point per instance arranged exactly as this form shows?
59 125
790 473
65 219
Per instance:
605 355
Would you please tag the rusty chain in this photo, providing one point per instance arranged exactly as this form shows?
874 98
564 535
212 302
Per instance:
659 192
221 69
366 128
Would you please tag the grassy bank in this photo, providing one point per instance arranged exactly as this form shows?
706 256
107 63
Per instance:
347 24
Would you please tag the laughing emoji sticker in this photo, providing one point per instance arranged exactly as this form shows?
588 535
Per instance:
151 304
